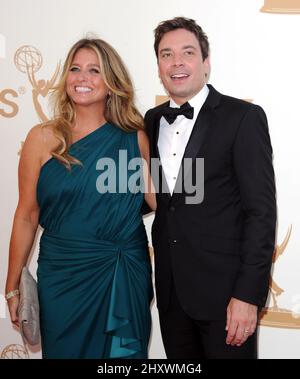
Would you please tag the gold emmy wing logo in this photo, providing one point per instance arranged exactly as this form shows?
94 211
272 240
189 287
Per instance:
160 99
28 60
274 316
14 352
151 251
281 6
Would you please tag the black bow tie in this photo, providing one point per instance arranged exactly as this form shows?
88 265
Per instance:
170 114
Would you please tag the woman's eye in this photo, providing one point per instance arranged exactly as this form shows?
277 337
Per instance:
74 69
95 71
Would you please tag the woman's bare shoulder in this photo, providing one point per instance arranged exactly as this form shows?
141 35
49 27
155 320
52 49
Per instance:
39 143
43 135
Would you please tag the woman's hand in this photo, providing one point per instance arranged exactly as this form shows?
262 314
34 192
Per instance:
13 304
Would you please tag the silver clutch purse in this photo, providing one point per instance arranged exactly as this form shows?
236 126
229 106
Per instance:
28 311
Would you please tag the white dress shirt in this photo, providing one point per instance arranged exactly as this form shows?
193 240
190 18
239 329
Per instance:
173 138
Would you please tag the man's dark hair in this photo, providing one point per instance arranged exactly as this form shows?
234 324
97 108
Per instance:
182 23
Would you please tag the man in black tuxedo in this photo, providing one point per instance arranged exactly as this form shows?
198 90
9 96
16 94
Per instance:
213 248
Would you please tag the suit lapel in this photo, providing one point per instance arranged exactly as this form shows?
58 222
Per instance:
155 152
202 125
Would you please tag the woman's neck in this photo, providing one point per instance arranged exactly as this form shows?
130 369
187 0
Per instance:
88 119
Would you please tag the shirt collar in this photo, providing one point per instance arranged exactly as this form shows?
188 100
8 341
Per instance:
196 102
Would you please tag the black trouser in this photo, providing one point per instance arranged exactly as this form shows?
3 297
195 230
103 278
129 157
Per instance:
184 337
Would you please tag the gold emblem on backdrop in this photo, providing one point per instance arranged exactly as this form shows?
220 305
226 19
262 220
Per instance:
160 99
14 351
28 60
281 6
151 251
275 316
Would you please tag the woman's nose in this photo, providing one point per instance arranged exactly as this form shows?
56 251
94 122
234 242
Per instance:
82 75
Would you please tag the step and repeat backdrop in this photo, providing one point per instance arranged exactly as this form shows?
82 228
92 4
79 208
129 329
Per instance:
254 55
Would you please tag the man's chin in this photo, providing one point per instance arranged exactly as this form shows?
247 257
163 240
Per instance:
180 97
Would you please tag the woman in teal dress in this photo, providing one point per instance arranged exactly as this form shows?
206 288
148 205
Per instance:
82 179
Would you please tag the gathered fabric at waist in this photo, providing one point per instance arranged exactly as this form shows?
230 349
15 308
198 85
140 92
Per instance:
58 247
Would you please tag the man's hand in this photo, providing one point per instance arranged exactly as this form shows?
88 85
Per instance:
241 321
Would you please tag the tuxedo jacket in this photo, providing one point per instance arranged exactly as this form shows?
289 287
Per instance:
221 247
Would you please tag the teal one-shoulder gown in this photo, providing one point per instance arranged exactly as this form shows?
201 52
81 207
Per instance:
94 270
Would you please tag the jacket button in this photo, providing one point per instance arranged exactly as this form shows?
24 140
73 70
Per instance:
172 209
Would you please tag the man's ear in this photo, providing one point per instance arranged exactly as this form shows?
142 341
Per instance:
159 77
207 67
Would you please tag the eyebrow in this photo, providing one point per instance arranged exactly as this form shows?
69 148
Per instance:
189 47
167 49
89 65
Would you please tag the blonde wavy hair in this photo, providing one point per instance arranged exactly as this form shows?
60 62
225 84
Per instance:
120 109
